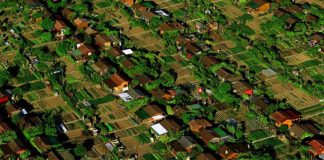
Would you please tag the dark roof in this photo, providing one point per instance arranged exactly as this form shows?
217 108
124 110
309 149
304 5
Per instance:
153 110
283 115
208 61
143 79
205 156
208 135
114 81
14 146
4 126
136 93
170 125
115 51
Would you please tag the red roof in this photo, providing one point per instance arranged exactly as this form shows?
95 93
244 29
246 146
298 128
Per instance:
249 92
318 145
4 99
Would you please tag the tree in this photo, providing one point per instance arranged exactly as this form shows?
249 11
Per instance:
4 77
56 5
7 136
46 37
79 150
47 23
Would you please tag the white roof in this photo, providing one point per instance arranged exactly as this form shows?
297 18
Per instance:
24 111
161 13
109 146
63 128
125 97
159 129
268 72
127 51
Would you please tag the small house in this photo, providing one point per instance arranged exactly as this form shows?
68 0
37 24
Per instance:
231 150
90 31
13 147
241 88
205 156
136 94
226 75
300 129
68 13
165 126
103 41
258 6
42 143
59 26
83 52
161 95
197 125
153 113
208 61
128 3
209 136
80 23
285 117
101 66
115 52
117 83
29 121
52 156
317 147
4 126
170 27
13 110
143 79
170 125
184 144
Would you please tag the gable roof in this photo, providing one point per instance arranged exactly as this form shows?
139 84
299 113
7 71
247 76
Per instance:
115 80
208 135
205 156
199 123
187 141
115 51
143 79
317 145
209 61
136 93
241 87
283 115
152 110
101 65
170 125
59 25
256 3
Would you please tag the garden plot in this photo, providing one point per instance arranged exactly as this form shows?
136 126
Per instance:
131 131
133 146
169 5
294 96
231 11
40 94
318 2
319 119
96 92
297 59
8 56
142 38
48 103
257 21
